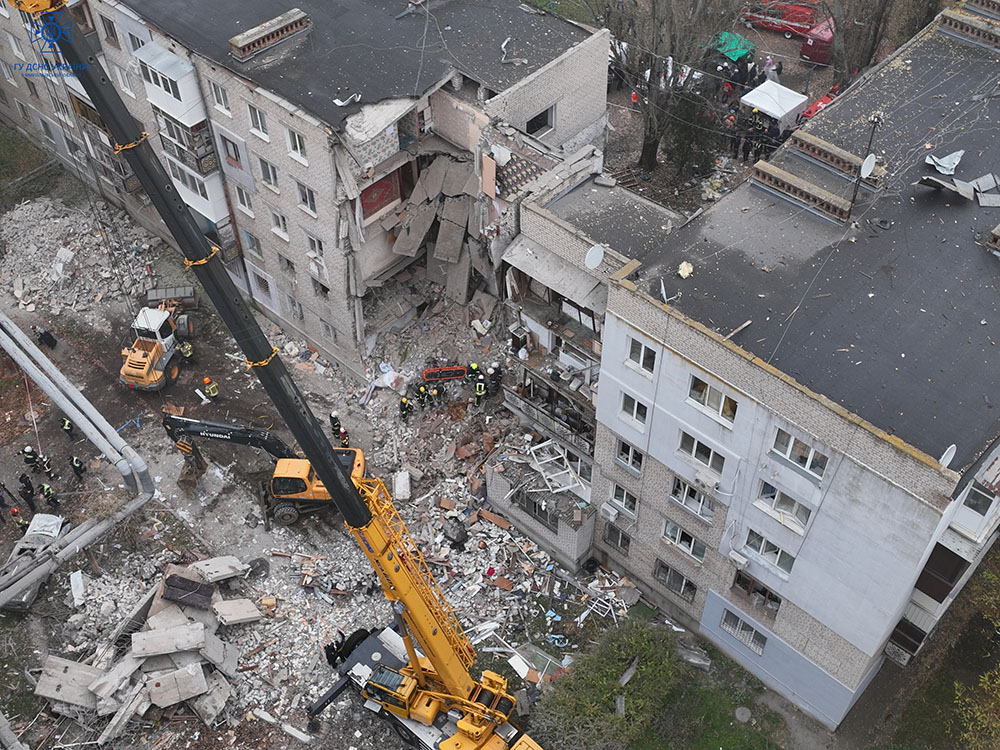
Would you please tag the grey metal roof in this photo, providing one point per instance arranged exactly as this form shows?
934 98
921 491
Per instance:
897 320
359 46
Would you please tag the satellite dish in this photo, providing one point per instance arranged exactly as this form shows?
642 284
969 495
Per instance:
594 257
947 456
867 166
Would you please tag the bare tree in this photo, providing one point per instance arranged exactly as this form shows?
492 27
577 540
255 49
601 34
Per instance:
665 44
859 27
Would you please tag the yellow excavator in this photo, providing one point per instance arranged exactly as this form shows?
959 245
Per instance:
416 674
154 360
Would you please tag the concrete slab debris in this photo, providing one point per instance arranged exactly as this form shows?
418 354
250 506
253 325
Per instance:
401 485
66 681
168 641
989 200
169 616
210 705
177 686
434 177
225 656
77 587
415 227
457 178
133 703
220 568
109 683
236 611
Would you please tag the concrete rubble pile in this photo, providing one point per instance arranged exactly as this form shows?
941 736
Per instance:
57 257
169 649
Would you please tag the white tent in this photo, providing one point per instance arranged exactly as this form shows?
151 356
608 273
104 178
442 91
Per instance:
777 102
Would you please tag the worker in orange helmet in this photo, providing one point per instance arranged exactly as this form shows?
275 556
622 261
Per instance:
19 520
211 389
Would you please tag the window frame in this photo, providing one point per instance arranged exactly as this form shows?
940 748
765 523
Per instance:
109 31
296 145
252 243
694 453
220 97
633 413
244 201
320 290
788 452
182 175
132 39
307 198
623 541
258 122
674 535
15 45
285 265
765 548
279 225
687 590
768 502
550 122
637 359
123 80
739 627
704 401
627 458
8 73
22 109
233 160
32 89
680 494
626 499
315 245
268 173
751 586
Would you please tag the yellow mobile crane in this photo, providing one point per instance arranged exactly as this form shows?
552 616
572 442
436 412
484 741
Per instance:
429 694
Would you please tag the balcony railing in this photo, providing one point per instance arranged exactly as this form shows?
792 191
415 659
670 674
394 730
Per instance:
543 415
204 164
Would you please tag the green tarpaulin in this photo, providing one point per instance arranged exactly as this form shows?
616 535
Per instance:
733 45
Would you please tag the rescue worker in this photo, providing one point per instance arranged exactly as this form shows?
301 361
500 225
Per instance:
345 439
480 389
495 376
211 388
78 468
49 495
334 423
30 457
405 408
67 428
46 465
44 337
471 373
8 493
491 375
187 351
28 496
422 397
437 395
25 481
19 520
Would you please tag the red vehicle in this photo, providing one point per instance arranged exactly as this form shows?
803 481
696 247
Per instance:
791 19
817 47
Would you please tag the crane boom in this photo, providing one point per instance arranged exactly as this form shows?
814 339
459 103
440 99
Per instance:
431 685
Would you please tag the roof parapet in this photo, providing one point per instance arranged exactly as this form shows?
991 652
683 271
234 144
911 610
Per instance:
266 35
974 28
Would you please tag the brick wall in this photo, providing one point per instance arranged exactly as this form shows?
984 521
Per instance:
574 83
457 120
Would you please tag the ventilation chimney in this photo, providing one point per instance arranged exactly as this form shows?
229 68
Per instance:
249 43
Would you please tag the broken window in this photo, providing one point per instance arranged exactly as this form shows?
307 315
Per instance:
687 542
624 499
539 508
941 573
789 511
758 593
617 538
285 264
770 551
696 502
232 151
675 581
634 409
712 399
541 123
641 355
629 457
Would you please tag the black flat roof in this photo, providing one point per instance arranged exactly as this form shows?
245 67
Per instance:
898 322
358 46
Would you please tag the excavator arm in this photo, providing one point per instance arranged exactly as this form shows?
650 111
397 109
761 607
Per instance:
177 427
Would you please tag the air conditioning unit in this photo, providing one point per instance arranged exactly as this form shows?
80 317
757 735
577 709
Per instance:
609 512
705 482
736 557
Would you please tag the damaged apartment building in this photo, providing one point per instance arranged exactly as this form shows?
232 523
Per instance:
793 436
328 149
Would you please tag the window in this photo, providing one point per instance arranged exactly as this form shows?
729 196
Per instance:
712 399
23 111
770 551
123 82
231 150
315 245
3 10
220 96
47 130
633 409
3 97
263 286
158 79
285 265
81 14
641 354
243 198
307 198
32 89
694 501
294 308
624 499
321 290
252 243
268 173
979 500
62 110
743 632
789 511
798 452
629 457
75 149
941 573
676 535
135 42
296 144
617 538
583 469
541 123
15 44
7 72
539 509
187 179
258 122
279 225
702 453
110 32
328 331
674 581
758 593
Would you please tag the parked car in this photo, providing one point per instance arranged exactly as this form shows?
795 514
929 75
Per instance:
817 47
791 19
